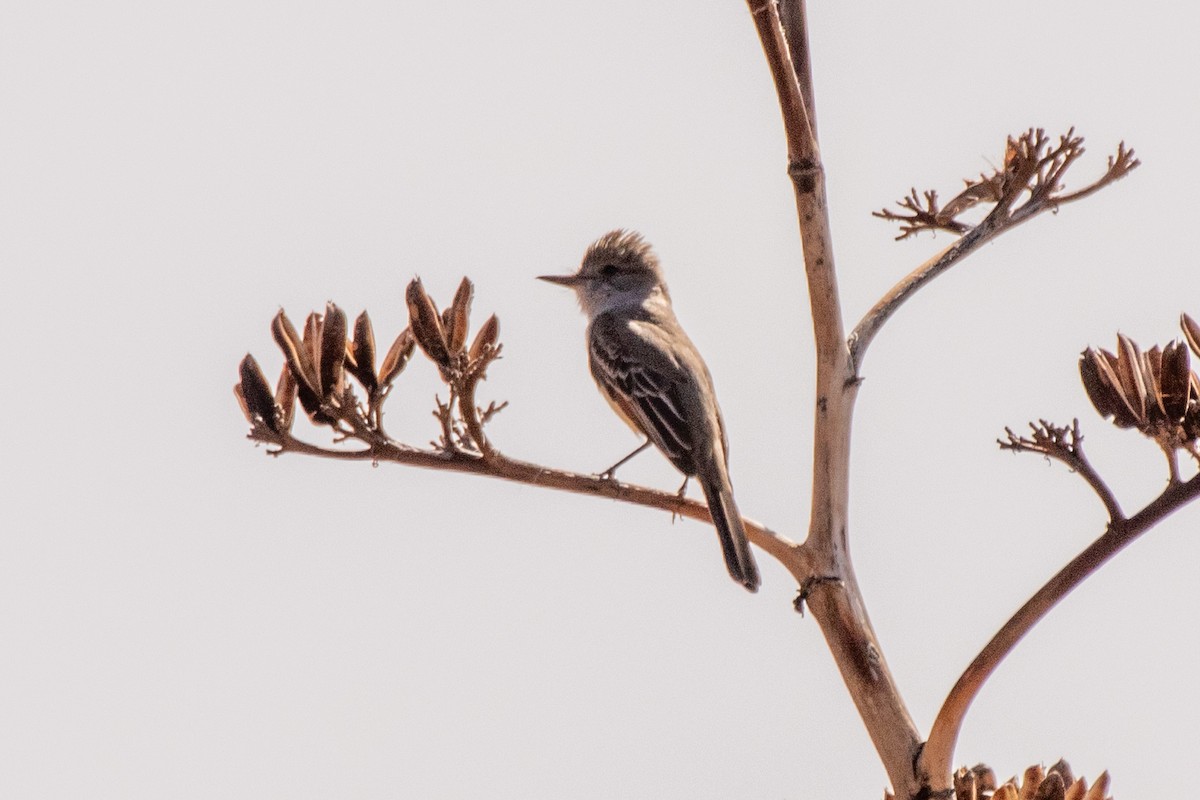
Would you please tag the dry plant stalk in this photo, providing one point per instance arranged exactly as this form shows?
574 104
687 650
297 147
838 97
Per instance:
1153 392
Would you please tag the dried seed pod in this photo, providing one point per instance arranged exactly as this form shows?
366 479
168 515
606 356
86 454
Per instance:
1129 370
310 399
309 390
985 778
1151 370
487 337
241 398
1191 420
1052 788
1099 790
333 350
1152 361
426 325
298 357
312 342
1191 332
1031 780
1175 381
397 357
1103 387
285 398
255 393
458 316
1063 770
1124 413
1099 391
1076 790
1006 792
361 354
965 785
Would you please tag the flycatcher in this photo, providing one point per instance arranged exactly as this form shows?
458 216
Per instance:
654 378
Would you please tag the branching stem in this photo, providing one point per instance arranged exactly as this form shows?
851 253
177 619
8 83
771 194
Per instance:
1032 172
937 755
1065 445
830 586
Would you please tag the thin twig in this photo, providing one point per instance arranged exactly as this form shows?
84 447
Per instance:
470 411
1172 455
793 18
873 320
925 213
798 128
1065 445
1118 167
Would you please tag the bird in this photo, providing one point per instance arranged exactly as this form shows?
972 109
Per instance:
654 378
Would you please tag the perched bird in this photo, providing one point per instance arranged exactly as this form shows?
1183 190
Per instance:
654 378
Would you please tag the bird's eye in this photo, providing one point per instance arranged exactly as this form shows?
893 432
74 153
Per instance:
608 270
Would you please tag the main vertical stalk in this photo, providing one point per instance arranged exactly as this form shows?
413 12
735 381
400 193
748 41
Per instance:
827 576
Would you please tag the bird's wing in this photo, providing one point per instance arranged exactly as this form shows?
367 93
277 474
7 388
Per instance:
643 381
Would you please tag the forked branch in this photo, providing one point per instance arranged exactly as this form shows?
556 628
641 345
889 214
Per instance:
1029 182
831 588
1153 392
938 753
1064 444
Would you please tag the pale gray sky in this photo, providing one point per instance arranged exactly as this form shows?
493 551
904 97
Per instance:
183 617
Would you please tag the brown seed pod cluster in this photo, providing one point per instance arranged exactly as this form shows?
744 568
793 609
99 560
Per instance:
1154 391
317 361
443 336
1056 783
1030 181
313 372
1038 783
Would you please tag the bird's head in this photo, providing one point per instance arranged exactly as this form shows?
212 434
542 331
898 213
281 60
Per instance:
620 268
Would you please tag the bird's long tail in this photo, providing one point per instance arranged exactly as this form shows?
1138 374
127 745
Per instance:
728 522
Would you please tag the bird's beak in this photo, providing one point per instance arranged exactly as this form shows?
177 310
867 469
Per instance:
570 281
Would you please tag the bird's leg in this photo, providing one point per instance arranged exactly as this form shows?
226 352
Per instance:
681 494
610 473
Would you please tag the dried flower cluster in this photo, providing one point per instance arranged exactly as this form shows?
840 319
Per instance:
1154 391
1031 175
1056 783
317 362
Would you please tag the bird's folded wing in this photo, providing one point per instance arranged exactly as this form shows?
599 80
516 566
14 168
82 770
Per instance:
643 382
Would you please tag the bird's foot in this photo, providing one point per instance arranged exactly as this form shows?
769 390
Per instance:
610 474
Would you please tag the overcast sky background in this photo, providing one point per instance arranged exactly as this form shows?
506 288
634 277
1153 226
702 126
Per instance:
184 617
